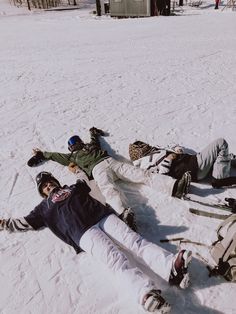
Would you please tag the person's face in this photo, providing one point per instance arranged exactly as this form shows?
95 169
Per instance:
76 146
47 187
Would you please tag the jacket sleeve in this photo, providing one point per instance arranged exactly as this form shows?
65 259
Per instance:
35 218
83 187
164 166
15 224
63 159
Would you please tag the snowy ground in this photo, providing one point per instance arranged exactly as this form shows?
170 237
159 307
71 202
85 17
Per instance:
161 80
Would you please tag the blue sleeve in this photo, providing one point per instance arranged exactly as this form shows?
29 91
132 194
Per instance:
35 218
82 186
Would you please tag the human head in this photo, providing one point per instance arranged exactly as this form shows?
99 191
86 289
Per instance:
75 143
42 179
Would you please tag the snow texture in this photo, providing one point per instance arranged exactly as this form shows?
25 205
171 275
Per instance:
162 80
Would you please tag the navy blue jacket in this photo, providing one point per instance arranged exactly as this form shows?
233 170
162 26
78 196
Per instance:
69 212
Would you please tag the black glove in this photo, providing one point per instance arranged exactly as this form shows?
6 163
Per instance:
231 203
36 159
95 131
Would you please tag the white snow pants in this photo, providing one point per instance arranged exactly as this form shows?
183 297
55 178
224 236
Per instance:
109 170
102 242
216 157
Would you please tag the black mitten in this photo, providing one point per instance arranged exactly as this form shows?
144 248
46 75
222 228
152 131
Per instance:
36 159
95 131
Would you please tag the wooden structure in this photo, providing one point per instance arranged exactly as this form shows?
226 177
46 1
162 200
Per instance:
139 8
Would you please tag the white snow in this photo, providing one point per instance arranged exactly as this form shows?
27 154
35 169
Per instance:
161 80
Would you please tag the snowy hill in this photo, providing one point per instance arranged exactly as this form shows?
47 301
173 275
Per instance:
161 80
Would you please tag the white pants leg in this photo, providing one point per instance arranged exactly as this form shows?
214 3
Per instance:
132 280
108 171
130 173
162 183
216 157
105 178
155 257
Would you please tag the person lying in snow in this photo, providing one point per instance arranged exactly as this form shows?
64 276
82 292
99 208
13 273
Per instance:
88 225
214 159
105 170
81 175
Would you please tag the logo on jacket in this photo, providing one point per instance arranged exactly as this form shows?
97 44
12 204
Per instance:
60 195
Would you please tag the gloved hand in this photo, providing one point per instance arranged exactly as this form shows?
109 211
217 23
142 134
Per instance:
73 168
95 131
37 158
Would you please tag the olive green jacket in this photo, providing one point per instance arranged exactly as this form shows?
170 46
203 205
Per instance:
86 158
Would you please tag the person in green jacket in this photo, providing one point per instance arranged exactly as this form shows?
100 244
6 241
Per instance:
105 170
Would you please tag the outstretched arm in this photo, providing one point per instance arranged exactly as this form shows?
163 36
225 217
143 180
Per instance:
33 221
40 156
95 134
63 159
15 224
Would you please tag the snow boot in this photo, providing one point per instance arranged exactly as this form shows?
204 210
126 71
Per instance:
179 275
155 303
181 186
128 216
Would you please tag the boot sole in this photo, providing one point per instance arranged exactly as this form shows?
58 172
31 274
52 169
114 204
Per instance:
152 304
187 183
185 282
153 307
